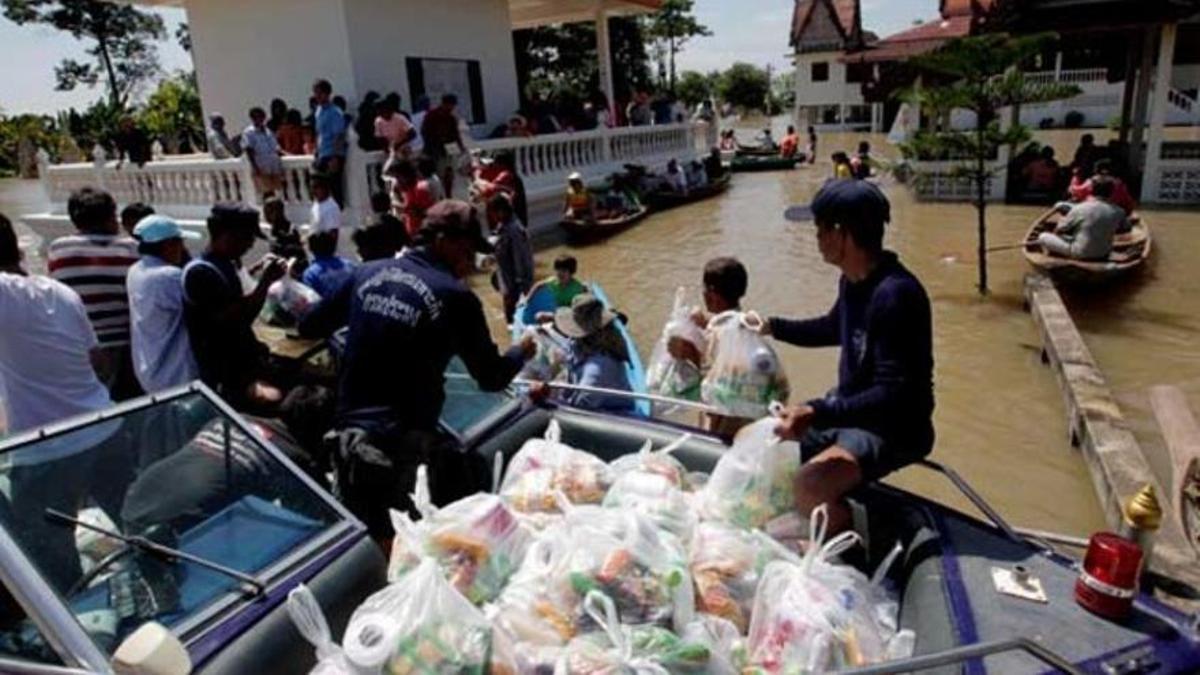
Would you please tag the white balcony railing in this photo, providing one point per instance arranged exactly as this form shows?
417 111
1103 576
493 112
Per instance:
187 187
1074 76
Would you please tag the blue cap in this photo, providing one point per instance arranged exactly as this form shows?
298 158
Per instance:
843 201
157 228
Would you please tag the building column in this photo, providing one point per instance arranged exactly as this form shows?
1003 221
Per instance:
1158 112
604 56
1058 66
1129 90
1141 102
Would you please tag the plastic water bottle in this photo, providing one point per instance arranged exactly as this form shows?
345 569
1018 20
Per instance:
763 361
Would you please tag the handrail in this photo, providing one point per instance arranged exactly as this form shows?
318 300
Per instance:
965 652
976 499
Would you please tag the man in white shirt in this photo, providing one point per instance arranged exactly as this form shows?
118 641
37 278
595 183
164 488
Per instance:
47 350
162 353
46 346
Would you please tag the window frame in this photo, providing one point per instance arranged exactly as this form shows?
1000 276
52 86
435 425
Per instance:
822 66
52 615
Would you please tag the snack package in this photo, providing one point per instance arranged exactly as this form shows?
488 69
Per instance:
819 615
617 552
478 542
544 466
619 648
753 482
727 563
661 462
549 358
288 301
419 625
667 375
308 618
657 498
745 375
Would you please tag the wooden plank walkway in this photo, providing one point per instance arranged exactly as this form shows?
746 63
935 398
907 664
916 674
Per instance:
1118 466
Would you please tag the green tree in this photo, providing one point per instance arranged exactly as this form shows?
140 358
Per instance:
558 61
673 25
982 75
744 86
172 113
122 41
783 91
694 87
22 135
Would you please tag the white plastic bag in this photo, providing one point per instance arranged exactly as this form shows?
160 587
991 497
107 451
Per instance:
727 563
288 301
667 375
306 614
753 481
549 358
819 615
545 466
657 498
745 376
477 540
418 625
726 645
661 462
640 649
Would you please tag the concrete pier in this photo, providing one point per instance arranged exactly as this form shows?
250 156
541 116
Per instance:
1097 427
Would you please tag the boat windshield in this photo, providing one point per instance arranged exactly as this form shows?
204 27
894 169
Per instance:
180 473
468 410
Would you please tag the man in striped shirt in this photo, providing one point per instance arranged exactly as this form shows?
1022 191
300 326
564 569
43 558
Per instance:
95 264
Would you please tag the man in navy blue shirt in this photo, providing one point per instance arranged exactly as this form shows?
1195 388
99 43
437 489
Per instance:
879 417
408 317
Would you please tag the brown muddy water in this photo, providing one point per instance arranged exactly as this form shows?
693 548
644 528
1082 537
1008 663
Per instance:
1000 417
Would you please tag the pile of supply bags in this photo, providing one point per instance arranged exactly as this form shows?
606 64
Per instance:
577 566
727 363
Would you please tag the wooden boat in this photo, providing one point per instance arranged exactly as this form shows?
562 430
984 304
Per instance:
764 163
582 231
755 151
660 200
1130 251
542 301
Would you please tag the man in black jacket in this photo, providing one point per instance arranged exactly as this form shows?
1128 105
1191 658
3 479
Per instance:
879 417
407 318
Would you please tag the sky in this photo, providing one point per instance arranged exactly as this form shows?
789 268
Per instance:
755 31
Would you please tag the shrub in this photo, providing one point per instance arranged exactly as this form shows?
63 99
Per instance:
1073 120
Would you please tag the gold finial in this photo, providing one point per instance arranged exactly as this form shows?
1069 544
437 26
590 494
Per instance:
1143 510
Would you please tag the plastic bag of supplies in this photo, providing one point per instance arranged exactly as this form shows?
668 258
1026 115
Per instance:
675 377
745 376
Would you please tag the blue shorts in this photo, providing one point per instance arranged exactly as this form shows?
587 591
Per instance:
876 456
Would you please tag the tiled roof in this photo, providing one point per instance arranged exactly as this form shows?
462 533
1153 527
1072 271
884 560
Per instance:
845 13
919 39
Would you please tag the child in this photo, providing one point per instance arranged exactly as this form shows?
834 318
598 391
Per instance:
563 286
841 165
579 202
725 283
326 214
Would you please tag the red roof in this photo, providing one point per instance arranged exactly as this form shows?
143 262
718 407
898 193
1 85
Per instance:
919 39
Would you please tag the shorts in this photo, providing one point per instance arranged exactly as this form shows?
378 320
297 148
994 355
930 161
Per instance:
443 163
876 456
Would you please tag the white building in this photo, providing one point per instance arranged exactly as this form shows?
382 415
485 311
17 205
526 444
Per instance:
248 52
828 91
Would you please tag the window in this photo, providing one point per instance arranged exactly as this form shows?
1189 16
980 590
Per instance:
436 77
820 71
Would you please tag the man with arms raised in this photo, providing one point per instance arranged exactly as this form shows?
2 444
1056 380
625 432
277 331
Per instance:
879 417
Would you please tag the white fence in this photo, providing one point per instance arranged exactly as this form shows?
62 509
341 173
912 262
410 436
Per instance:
1178 175
187 187
942 180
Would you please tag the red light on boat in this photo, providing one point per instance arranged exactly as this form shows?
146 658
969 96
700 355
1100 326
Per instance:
1108 580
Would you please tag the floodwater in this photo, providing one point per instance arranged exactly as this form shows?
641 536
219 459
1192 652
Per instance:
1000 417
